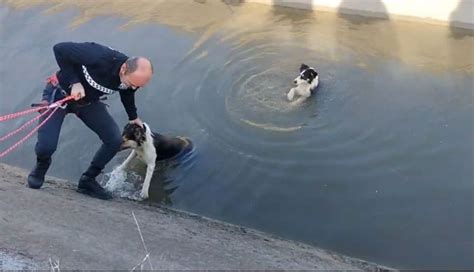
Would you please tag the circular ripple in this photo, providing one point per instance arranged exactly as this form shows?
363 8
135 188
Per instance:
238 97
259 99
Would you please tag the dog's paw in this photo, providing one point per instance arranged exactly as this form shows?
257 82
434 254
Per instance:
291 94
143 195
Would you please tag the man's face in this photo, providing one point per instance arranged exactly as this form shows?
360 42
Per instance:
135 80
138 78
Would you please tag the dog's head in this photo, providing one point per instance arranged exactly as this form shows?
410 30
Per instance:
307 75
133 136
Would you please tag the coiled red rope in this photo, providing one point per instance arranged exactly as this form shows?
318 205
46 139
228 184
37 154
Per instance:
50 109
24 126
25 112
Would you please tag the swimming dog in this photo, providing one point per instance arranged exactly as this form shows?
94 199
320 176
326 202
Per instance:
305 83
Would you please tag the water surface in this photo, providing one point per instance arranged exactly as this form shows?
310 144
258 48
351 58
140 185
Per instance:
377 165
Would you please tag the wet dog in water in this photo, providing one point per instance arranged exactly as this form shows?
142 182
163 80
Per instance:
151 147
306 82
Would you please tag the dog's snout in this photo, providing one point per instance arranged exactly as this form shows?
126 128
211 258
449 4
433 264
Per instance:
294 81
124 144
123 147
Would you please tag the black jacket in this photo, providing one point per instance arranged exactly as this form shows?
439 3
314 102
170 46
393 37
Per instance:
96 67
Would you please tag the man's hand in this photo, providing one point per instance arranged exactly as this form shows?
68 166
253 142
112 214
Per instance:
136 121
77 91
43 103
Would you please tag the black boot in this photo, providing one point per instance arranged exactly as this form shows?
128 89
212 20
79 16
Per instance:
36 176
89 186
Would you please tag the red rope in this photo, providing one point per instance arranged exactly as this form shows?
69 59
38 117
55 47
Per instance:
11 148
55 106
25 112
23 126
21 113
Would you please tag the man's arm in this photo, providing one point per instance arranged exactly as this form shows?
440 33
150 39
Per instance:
70 54
128 100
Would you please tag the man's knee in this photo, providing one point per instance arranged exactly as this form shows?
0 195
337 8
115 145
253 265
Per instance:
114 142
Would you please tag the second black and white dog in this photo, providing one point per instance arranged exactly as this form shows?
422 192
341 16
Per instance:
305 83
151 147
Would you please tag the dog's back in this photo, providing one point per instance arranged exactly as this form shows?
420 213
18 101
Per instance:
167 147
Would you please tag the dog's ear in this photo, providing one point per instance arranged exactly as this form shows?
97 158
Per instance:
312 74
303 67
127 130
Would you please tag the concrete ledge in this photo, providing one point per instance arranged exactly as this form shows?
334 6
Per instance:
85 233
457 13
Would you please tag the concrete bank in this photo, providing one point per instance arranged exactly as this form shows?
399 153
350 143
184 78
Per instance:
457 13
80 232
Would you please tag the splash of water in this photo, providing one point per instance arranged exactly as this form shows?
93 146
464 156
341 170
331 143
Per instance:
123 184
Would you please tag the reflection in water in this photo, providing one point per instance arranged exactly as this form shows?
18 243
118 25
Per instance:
382 34
380 157
317 32
294 15
381 13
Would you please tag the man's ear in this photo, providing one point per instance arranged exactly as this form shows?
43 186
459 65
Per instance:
123 69
303 67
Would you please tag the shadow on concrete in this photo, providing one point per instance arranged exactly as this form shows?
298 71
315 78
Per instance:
227 2
233 2
294 12
348 11
459 30
302 4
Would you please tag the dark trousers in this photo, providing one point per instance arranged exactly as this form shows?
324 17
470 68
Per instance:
96 116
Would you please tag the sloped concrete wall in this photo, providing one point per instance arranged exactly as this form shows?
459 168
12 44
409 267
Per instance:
457 12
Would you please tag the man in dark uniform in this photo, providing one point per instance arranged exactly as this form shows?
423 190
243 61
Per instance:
87 72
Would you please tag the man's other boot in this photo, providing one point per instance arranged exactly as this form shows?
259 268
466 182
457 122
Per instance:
36 176
89 186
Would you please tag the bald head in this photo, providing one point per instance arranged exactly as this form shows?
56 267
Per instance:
138 63
136 71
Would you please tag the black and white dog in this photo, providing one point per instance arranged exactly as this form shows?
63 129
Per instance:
306 82
150 148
